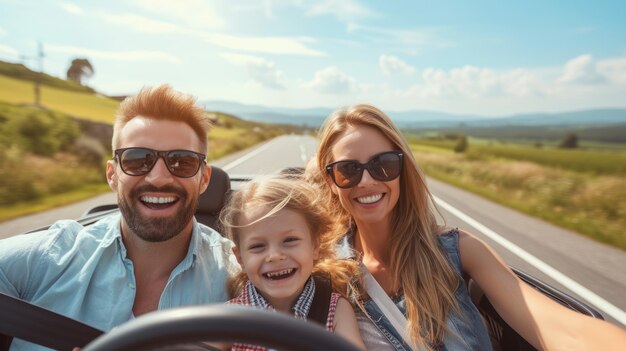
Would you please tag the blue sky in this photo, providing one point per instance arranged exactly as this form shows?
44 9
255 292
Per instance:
483 57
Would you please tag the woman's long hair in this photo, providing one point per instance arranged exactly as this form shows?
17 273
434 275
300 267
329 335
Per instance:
417 261
274 193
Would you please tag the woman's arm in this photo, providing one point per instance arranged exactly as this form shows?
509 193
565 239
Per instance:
544 323
346 324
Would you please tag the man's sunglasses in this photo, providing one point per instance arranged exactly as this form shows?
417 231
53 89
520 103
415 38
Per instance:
138 161
385 167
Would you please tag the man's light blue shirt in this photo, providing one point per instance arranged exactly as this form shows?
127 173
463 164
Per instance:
84 273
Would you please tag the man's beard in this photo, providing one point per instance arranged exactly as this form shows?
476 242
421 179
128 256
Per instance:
157 229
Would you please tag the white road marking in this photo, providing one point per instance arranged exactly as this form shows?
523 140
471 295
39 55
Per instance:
303 155
246 157
602 304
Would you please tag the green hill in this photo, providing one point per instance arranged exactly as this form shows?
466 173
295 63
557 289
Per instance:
17 86
72 125
229 134
84 105
19 71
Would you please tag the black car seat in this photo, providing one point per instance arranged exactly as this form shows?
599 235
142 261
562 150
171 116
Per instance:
210 202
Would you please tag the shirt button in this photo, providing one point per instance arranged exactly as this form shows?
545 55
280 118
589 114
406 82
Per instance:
131 285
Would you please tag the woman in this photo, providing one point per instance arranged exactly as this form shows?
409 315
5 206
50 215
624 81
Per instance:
379 192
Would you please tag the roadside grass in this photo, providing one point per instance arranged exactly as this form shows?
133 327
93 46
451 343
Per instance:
226 141
590 204
579 160
588 160
28 177
52 201
583 144
83 105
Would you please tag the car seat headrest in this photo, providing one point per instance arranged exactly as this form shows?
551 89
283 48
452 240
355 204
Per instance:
210 202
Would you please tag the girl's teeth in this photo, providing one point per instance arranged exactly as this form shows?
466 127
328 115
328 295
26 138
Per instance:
369 199
279 273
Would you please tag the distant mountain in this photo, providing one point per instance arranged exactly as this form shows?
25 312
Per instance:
592 116
313 117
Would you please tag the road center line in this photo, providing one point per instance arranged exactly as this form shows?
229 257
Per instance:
303 154
602 304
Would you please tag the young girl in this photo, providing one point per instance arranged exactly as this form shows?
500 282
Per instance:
284 239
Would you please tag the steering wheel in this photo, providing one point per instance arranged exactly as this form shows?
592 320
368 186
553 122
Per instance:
226 323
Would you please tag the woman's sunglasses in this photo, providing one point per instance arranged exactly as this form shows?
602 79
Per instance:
138 161
385 167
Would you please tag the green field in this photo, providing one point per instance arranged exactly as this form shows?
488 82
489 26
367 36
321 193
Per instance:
600 161
583 190
35 139
581 160
82 105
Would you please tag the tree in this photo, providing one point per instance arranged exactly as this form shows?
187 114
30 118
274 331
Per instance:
79 69
461 144
570 141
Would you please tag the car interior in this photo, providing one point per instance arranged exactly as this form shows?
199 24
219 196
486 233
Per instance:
503 337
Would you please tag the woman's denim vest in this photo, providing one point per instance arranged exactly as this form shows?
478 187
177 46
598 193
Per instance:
466 332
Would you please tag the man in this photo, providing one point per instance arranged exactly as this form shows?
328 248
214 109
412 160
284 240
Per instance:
154 255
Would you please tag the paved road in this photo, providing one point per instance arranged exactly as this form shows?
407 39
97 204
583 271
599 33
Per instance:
593 272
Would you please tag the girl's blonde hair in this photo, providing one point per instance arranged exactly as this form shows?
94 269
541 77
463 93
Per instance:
288 191
417 263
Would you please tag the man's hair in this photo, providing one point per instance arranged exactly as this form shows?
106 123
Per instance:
162 103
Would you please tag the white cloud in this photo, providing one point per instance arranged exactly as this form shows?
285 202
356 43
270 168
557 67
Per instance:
71 8
411 41
271 45
240 60
473 82
524 83
614 69
135 55
7 50
195 13
464 81
132 21
579 79
343 10
392 64
581 70
139 23
331 80
261 71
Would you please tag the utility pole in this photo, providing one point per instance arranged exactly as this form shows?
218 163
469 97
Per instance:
40 56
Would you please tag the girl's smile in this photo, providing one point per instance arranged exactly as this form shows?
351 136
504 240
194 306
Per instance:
277 253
